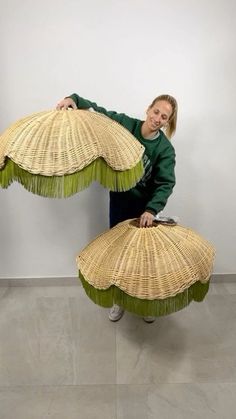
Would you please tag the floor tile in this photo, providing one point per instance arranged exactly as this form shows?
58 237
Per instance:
92 402
231 287
60 357
196 344
179 401
95 338
55 340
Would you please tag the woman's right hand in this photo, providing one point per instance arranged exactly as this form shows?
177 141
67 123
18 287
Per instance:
66 103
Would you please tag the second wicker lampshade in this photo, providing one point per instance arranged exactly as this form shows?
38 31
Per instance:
58 153
148 271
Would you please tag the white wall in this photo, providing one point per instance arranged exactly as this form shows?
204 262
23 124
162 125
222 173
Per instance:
121 54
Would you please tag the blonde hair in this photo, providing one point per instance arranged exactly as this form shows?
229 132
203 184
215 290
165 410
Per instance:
172 123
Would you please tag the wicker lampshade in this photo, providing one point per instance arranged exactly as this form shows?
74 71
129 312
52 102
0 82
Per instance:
57 153
149 271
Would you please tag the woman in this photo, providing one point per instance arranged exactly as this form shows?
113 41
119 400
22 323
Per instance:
151 193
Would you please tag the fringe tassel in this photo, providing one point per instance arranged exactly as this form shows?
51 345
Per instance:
67 185
113 295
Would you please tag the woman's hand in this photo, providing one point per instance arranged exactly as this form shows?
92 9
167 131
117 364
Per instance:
146 219
66 103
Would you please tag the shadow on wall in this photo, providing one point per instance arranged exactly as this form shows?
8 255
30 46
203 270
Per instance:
194 194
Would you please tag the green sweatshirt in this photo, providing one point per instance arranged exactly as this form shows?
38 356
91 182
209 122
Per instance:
158 180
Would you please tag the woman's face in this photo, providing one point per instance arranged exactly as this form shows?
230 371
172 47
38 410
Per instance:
158 115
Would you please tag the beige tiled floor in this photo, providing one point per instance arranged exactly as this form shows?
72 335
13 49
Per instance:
61 358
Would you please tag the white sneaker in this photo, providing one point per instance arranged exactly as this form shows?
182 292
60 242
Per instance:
116 312
149 319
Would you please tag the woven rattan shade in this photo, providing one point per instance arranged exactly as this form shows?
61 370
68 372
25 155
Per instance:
64 142
147 263
3 144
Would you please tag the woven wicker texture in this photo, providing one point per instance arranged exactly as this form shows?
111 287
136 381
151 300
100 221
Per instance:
3 144
55 143
147 263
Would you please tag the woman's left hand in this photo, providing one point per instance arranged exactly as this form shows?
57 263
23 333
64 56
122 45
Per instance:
146 219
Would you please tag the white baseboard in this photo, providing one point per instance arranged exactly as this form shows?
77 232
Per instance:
73 281
39 282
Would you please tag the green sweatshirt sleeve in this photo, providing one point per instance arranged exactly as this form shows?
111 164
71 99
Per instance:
163 180
126 121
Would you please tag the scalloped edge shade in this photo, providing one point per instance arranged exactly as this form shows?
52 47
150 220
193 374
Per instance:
67 185
159 307
148 263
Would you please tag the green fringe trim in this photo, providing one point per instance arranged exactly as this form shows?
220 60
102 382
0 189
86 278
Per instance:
67 185
113 295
